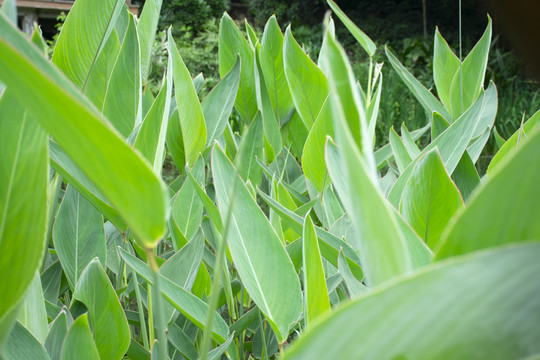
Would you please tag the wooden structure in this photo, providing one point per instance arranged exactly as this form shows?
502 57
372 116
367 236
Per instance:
45 12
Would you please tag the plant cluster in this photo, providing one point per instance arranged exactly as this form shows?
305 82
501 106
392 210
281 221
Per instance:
286 234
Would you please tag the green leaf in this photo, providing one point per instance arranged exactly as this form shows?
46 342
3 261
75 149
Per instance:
354 286
24 196
367 44
84 34
252 36
315 292
98 79
56 336
231 44
22 345
188 304
445 66
182 268
116 170
187 208
273 70
218 104
487 221
453 142
189 108
328 243
174 141
514 142
306 81
122 104
78 235
428 101
468 81
313 162
151 137
32 314
73 175
147 27
250 149
466 176
415 318
409 142
9 8
378 238
259 256
178 338
79 343
401 155
499 140
430 198
211 208
270 119
110 327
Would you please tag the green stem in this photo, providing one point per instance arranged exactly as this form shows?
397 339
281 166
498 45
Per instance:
156 303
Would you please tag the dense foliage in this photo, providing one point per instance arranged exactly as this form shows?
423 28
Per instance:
292 228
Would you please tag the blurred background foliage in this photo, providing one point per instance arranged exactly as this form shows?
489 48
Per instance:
399 24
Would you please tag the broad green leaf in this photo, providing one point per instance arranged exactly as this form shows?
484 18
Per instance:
137 352
465 176
354 286
182 267
32 313
116 170
250 149
218 351
24 197
499 140
231 44
271 58
453 142
174 141
147 27
438 125
294 135
211 208
401 155
50 281
313 162
445 66
189 108
306 81
428 101
78 235
328 243
217 106
73 175
514 142
430 198
252 36
420 253
110 327
270 119
56 336
151 137
22 345
468 81
367 44
188 304
439 313
384 154
178 338
122 104
84 34
381 244
98 79
372 112
409 142
259 256
79 343
187 208
378 238
487 220
315 292
9 8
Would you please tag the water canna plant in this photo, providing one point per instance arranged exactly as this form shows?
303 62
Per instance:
286 234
